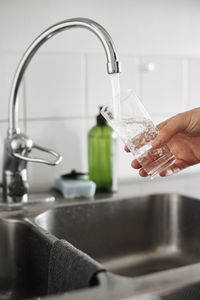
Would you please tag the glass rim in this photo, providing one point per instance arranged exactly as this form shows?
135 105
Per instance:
125 95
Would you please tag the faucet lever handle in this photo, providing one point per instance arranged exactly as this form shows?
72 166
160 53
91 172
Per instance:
56 161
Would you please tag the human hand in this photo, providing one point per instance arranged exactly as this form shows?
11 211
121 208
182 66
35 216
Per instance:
182 135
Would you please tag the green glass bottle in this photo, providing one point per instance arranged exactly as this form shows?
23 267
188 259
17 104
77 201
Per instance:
102 156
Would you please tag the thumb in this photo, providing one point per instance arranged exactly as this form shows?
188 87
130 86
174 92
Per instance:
171 127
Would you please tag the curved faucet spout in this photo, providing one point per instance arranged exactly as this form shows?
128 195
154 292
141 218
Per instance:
113 65
17 145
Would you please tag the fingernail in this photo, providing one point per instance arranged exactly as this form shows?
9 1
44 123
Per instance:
169 172
176 170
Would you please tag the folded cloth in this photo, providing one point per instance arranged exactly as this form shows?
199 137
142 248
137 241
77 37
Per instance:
70 268
188 293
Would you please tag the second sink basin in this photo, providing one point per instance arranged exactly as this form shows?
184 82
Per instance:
134 236
24 256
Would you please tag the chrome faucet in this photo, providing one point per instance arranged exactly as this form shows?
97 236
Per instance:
18 146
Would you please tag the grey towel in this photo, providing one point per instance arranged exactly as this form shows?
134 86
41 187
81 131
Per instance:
70 268
188 293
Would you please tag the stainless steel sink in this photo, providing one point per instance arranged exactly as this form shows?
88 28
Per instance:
130 237
134 236
24 255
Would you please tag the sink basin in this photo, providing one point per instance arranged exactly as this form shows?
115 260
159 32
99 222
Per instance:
24 255
131 237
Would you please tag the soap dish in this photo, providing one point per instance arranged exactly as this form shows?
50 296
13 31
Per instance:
75 185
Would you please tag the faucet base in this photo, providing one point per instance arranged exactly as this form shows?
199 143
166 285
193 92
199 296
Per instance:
15 186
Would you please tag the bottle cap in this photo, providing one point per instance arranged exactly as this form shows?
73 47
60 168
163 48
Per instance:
100 119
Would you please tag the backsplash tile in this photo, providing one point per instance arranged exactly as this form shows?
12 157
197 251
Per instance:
67 79
162 84
8 65
125 170
158 118
63 93
54 84
99 82
69 138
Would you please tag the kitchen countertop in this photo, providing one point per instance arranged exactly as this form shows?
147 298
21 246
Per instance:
182 183
185 184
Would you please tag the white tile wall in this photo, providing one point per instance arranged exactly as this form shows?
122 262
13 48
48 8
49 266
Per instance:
158 118
62 90
138 26
8 65
162 185
162 84
54 85
124 163
99 82
68 137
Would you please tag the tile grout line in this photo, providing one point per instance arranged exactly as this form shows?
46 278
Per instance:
129 53
51 119
56 118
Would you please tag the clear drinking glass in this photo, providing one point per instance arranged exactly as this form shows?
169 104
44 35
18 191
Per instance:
136 129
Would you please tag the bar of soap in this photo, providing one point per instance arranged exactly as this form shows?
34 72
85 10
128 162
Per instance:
75 188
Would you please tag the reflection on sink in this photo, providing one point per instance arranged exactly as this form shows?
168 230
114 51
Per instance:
24 258
131 236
